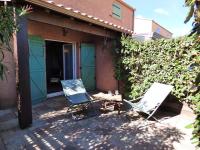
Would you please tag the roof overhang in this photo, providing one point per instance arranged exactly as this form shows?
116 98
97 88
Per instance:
80 15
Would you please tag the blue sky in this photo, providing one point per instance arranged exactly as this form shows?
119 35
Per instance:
168 13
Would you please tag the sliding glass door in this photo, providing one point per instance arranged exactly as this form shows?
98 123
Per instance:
69 62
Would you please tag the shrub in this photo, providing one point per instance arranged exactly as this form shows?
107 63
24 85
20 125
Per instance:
169 61
9 16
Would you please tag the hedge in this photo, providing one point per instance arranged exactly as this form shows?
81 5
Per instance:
169 61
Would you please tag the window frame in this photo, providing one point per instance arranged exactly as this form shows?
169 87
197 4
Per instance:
114 7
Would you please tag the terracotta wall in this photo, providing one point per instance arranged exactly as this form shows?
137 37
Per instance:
102 9
55 33
8 84
51 32
104 67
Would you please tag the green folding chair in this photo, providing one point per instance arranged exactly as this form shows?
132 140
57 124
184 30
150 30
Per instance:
75 93
151 100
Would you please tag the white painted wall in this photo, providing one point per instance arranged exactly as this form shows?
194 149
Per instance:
148 27
142 26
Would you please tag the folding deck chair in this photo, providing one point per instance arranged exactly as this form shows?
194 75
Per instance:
75 93
151 100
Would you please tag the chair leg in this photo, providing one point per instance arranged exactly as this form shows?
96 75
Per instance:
117 106
85 106
71 113
91 103
153 118
67 109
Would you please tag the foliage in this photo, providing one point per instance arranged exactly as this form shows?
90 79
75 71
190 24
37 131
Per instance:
174 62
169 61
194 11
194 6
8 26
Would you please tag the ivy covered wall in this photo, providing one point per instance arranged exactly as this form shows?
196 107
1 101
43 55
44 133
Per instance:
175 62
169 61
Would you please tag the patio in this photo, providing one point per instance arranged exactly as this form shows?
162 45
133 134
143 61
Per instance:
52 128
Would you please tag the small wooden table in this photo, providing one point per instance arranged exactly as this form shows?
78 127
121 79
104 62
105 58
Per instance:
110 101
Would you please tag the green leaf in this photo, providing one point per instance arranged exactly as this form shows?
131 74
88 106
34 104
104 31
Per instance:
189 126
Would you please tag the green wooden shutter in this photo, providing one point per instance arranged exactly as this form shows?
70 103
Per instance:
116 11
88 66
37 69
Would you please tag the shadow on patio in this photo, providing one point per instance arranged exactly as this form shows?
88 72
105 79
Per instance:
52 128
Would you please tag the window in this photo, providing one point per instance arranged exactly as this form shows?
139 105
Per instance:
116 11
158 30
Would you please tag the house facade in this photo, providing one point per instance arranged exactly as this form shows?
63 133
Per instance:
145 29
65 39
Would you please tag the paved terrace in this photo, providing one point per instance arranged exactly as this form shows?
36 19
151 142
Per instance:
53 128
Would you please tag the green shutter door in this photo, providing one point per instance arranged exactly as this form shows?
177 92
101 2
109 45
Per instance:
37 69
88 66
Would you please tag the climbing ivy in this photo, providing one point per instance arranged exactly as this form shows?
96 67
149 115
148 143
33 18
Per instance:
174 61
194 11
169 61
9 16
